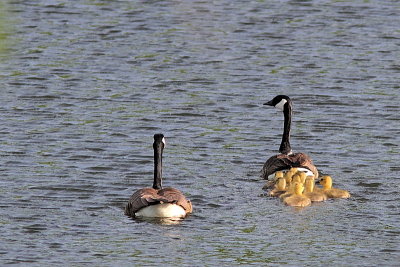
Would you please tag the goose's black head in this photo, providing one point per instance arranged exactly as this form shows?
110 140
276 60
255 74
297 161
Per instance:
279 102
159 141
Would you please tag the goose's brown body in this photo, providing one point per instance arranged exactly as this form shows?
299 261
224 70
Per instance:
150 196
284 162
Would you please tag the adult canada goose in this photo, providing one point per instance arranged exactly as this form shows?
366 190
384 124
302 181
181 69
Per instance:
287 159
157 201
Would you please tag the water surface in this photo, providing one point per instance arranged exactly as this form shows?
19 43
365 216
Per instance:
86 84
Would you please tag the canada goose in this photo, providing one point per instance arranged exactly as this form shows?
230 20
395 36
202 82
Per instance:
326 182
287 159
297 199
157 201
314 196
280 188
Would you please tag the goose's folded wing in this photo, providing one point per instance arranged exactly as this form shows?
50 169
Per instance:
282 162
172 195
140 199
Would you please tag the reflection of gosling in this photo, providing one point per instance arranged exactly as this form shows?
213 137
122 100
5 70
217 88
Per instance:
297 199
326 182
280 188
309 191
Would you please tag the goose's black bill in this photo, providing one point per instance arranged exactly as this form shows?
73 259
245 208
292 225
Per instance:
269 103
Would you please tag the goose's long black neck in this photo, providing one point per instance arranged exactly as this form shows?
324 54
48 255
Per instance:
285 144
158 149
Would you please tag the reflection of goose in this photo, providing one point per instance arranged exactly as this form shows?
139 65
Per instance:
326 182
157 201
287 158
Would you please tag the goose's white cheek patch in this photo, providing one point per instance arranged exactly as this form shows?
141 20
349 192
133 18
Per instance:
281 104
163 140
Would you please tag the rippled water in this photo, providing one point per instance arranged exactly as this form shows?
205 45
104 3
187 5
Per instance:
86 84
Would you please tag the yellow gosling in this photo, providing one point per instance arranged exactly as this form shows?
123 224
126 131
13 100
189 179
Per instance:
309 191
318 189
296 179
278 174
280 188
312 177
297 199
270 183
303 176
290 186
289 191
288 177
326 182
